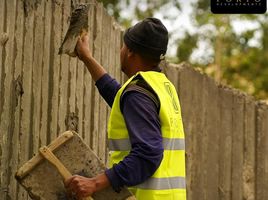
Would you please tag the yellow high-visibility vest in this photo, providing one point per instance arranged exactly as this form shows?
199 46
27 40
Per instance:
168 182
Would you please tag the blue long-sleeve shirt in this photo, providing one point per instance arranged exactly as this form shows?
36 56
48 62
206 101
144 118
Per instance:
142 120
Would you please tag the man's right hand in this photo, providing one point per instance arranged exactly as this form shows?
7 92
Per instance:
82 48
84 54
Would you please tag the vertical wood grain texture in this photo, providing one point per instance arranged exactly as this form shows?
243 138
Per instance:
97 39
64 69
88 83
3 19
7 104
249 176
17 92
262 151
212 122
225 144
81 70
37 73
105 47
55 69
201 142
237 145
26 135
46 84
111 68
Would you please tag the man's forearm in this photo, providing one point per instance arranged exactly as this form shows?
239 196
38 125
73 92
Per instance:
95 69
101 181
84 54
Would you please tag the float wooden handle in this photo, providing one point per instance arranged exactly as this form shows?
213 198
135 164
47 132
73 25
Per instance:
47 153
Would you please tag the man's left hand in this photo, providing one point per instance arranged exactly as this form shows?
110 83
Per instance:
81 186
85 187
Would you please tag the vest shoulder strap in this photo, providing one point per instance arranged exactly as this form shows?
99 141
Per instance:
140 85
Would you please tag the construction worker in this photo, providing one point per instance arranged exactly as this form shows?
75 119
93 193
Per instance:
145 130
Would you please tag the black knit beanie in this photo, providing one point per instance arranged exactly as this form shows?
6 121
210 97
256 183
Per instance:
148 37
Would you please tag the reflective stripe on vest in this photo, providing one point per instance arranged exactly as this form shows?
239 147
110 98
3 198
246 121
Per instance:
168 144
163 183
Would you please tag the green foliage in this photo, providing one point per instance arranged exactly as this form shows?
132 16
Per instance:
236 62
186 47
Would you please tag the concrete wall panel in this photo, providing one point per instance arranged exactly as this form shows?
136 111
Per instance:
262 151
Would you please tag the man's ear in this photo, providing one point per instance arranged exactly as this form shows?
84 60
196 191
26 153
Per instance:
130 53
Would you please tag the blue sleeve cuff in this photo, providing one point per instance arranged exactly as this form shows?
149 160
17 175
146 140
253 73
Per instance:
106 78
114 179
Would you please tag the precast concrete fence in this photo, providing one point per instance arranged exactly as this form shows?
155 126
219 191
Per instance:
42 94
226 138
